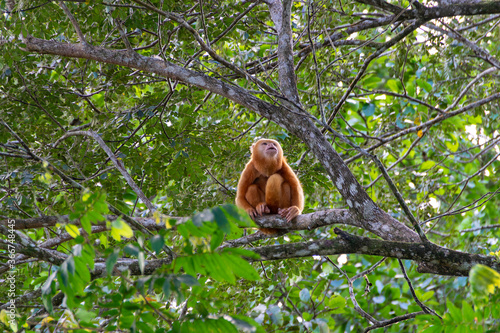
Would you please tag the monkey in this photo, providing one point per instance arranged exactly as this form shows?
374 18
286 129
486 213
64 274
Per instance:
268 185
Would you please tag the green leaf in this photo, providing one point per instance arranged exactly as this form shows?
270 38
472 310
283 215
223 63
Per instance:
127 320
410 88
87 226
141 261
157 243
424 85
371 81
231 210
393 85
336 301
307 316
188 280
82 271
352 104
275 314
166 288
120 228
111 261
368 110
143 327
474 120
241 267
63 274
221 220
483 280
132 250
189 265
427 165
237 215
455 313
47 292
467 312
216 239
433 329
85 315
304 295
217 268
72 230
242 252
453 146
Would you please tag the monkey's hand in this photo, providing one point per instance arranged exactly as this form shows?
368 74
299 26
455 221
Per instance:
289 213
262 209
258 211
252 213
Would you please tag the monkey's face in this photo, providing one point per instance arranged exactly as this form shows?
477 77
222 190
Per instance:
267 148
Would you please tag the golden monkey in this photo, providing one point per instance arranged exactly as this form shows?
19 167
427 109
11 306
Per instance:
268 185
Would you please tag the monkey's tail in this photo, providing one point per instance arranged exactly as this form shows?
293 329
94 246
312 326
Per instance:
270 231
273 192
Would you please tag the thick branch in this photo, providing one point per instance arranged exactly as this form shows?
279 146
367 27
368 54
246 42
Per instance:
176 18
130 265
390 230
281 15
50 221
422 14
444 261
156 66
25 245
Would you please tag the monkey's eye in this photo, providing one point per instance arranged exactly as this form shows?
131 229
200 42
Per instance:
264 143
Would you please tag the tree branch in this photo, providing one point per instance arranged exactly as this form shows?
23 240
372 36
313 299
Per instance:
118 164
281 15
50 221
444 261
176 18
428 124
73 21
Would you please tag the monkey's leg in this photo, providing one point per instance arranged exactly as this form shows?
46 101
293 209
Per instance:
286 209
255 195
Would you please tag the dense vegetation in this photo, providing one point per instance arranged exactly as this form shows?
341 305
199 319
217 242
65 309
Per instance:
124 126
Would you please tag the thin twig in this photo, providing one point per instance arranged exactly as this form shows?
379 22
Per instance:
471 83
73 21
369 270
316 70
178 19
358 309
484 227
399 159
425 308
428 124
409 29
118 164
123 35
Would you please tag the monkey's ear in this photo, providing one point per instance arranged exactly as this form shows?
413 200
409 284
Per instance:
251 147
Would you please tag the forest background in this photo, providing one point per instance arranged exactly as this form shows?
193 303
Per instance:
125 126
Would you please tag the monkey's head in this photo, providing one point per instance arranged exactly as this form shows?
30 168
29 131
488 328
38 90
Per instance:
267 156
266 149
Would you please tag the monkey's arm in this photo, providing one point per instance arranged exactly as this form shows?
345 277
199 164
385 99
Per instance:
296 188
247 178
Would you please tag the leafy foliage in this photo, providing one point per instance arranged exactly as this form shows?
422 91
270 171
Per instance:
185 146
